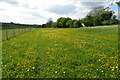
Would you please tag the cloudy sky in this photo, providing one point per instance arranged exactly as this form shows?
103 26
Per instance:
39 11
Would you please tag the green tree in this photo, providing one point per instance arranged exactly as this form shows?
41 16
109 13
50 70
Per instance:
63 22
54 25
88 20
76 23
110 22
43 25
106 15
49 23
97 16
69 23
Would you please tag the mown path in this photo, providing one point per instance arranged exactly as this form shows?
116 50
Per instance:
62 53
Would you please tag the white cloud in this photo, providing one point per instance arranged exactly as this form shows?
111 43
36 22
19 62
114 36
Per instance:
39 11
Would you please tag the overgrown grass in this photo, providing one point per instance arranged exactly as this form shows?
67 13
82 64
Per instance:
62 53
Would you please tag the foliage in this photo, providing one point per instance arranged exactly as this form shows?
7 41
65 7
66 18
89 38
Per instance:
43 25
67 23
101 17
16 25
61 22
54 25
49 23
77 23
110 22
106 15
88 20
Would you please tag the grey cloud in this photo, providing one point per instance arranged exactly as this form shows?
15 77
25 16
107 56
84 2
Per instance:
62 9
26 6
35 14
91 5
9 1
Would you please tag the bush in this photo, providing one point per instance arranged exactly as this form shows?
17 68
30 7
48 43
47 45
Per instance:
110 22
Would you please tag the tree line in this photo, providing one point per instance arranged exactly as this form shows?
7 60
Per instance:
12 25
97 17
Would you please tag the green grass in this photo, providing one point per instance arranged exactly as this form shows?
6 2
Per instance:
62 53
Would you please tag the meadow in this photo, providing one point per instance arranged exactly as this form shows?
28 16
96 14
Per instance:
88 52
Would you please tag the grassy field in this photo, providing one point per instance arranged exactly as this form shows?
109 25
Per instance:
62 53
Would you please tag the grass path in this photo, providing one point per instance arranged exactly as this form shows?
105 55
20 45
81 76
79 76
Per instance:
62 53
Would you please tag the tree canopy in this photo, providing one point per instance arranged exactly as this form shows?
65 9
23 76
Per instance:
67 23
100 16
